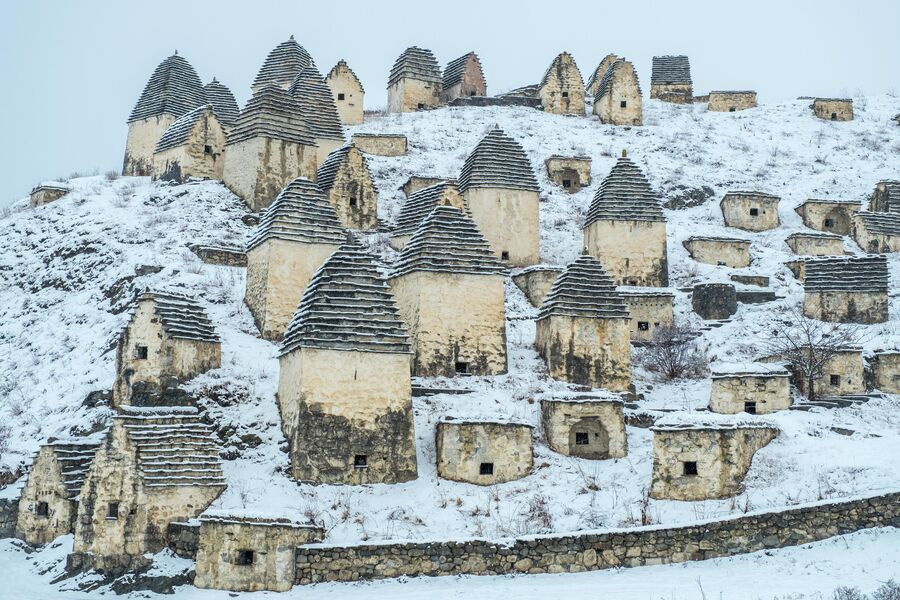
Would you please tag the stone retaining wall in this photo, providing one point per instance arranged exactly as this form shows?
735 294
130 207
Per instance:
9 512
184 539
599 550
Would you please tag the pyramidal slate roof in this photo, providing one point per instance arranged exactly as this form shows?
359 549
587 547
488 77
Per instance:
172 446
271 113
300 213
174 88
556 64
455 69
448 241
347 306
606 83
179 131
497 161
415 63
342 64
625 195
418 206
887 223
892 189
600 71
75 459
182 317
328 169
316 104
866 273
671 69
283 63
223 102
584 290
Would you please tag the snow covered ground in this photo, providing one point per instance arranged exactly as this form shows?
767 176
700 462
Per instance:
865 559
66 269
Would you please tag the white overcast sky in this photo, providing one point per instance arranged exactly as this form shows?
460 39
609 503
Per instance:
70 71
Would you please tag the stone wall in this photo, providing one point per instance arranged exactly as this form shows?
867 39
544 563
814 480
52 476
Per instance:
632 252
590 551
183 538
833 109
259 168
571 173
562 92
719 251
220 255
9 513
45 195
648 311
830 216
535 282
45 484
380 144
419 182
621 104
585 428
714 301
483 453
815 245
353 193
342 82
143 135
202 155
886 371
846 307
676 93
750 211
509 221
872 242
768 393
586 351
731 101
843 373
410 95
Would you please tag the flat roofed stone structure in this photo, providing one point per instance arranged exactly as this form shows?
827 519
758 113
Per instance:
562 89
282 65
571 173
344 389
484 452
222 100
317 107
704 458
451 292
885 197
670 79
833 109
721 251
155 467
381 144
463 78
250 554
750 211
625 228
846 289
502 195
583 331
418 182
49 501
345 179
192 147
593 82
877 232
885 368
618 98
269 146
295 235
48 191
419 205
832 216
348 93
535 282
590 425
414 82
650 309
843 373
754 388
815 243
173 89
731 101
168 340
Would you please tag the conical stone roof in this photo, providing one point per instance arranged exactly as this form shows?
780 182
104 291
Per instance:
448 241
887 223
419 204
867 273
606 82
347 306
497 161
300 213
593 81
223 102
625 195
174 88
182 317
415 63
670 70
179 131
329 168
584 290
272 113
455 69
75 458
316 104
283 64
560 65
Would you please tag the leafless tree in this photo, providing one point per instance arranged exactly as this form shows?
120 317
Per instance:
808 345
673 353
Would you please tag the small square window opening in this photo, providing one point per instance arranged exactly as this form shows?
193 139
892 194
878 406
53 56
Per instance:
581 438
643 326
112 511
689 467
834 380
140 352
750 408
340 97
754 212
42 509
244 557
486 469
360 461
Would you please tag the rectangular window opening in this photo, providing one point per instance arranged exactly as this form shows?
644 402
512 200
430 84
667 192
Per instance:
360 461
340 96
461 367
504 255
721 263
581 438
754 212
352 201
643 326
565 94
207 149
834 116
829 223
42 509
834 380
486 469
420 106
140 352
112 511
567 183
623 104
750 408
245 557
731 109
689 467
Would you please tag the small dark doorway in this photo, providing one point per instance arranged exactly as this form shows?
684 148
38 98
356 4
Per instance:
360 461
588 438
244 557
486 468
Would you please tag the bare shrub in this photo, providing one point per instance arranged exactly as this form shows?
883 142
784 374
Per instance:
111 175
807 345
848 593
673 353
889 590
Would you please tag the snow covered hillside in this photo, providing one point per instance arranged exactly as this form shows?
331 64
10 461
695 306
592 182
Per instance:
68 269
